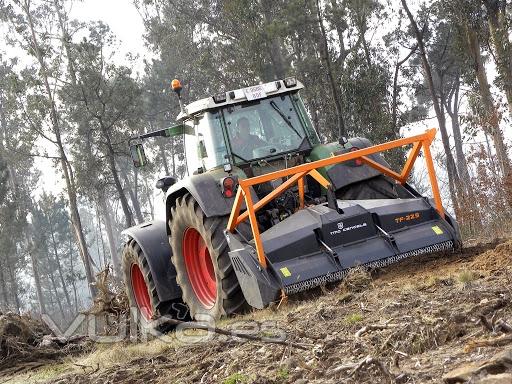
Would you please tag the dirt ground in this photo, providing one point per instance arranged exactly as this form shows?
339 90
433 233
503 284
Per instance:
440 318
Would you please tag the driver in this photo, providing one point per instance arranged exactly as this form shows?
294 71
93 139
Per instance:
244 142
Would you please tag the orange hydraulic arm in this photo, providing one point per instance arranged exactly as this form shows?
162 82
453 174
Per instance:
296 175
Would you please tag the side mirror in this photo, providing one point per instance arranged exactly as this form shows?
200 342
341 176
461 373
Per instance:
138 156
165 182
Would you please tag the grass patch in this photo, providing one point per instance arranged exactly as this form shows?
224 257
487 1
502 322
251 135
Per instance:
432 281
110 354
283 374
236 378
358 279
353 318
47 372
466 277
409 288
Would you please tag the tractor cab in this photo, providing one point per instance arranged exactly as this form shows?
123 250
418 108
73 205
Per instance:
243 128
247 126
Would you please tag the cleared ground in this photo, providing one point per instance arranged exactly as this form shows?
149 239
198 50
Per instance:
414 322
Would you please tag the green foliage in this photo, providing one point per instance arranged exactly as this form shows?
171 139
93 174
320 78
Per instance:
236 378
283 374
353 318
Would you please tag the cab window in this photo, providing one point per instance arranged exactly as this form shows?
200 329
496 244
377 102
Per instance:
205 149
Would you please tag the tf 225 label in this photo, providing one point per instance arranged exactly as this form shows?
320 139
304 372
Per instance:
408 217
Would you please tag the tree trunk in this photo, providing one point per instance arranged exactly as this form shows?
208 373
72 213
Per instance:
163 156
132 194
55 290
73 279
468 203
453 178
14 283
117 182
452 107
100 235
110 236
499 30
3 285
37 280
149 192
59 266
334 89
396 92
491 125
115 175
66 168
173 154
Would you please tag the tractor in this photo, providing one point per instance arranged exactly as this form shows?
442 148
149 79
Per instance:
266 210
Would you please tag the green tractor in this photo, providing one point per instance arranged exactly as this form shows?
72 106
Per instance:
314 210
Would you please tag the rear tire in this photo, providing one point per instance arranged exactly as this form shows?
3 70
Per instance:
203 268
141 290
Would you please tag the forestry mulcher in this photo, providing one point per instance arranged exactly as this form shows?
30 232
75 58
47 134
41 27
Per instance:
267 210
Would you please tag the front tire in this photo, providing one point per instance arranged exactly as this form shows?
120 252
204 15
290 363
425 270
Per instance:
203 268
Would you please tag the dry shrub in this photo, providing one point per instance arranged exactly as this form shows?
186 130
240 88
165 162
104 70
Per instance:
358 279
27 343
420 336
487 213
111 305
111 297
19 334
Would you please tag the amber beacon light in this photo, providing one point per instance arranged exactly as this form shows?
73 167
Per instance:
176 85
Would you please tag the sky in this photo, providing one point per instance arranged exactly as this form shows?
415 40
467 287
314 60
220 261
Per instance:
121 16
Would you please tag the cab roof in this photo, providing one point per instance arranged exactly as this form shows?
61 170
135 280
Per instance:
237 96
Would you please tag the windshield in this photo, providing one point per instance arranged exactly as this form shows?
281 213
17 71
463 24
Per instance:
263 128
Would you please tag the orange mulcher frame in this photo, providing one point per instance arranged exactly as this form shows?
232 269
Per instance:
298 173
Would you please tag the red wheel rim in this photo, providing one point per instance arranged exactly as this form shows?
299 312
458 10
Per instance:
141 292
198 262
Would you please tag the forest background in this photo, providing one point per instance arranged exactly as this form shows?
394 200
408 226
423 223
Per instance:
72 93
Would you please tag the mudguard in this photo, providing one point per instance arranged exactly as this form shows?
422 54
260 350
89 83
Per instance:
152 238
205 189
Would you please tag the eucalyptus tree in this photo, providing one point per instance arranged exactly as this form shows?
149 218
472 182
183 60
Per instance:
45 250
449 62
13 226
108 98
33 25
468 18
453 176
498 15
56 229
17 183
